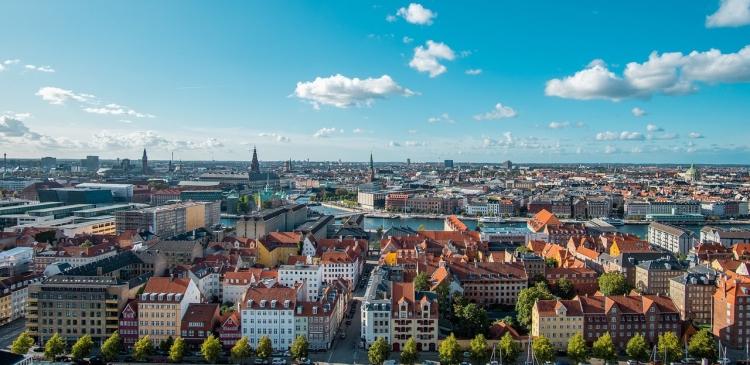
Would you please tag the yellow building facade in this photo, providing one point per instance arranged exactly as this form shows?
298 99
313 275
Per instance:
557 320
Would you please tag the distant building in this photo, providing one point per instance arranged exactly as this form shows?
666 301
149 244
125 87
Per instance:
70 196
282 219
48 162
692 293
672 238
692 174
508 165
448 164
169 220
727 237
652 277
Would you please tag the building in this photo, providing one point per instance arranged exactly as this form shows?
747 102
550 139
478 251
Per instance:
448 164
342 258
230 331
13 294
72 196
282 219
79 256
170 220
488 283
653 277
731 310
292 275
671 238
275 248
163 304
727 237
557 320
692 174
200 321
128 324
692 292
73 306
319 320
179 252
201 195
585 280
269 311
376 306
16 261
415 315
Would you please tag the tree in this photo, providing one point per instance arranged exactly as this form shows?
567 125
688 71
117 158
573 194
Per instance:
22 344
55 346
443 296
526 300
421 228
241 350
543 349
577 350
638 349
614 283
300 347
158 185
539 278
143 348
605 349
703 346
243 204
551 263
177 350
82 347
670 345
300 246
86 244
379 351
422 281
211 348
510 321
459 302
379 232
450 351
165 345
509 348
478 349
565 289
474 320
265 348
111 347
409 355
523 249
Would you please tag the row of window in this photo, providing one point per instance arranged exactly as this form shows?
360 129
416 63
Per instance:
71 314
71 305
72 331
156 332
74 322
73 296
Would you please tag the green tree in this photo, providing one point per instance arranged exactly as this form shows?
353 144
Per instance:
474 321
86 244
82 347
379 351
300 246
443 296
266 204
509 348
165 345
551 263
459 302
478 349
638 349
243 204
614 283
300 347
422 281
605 349
421 228
409 355
565 289
143 348
265 348
177 351
111 347
526 300
211 348
22 344
539 278
510 321
523 249
241 350
577 350
54 347
158 185
379 232
703 346
450 351
670 345
543 349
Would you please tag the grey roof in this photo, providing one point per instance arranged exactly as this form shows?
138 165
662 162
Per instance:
356 232
674 230
314 226
108 264
634 258
672 265
399 231
179 246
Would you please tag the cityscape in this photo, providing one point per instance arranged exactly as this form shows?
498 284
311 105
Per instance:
479 183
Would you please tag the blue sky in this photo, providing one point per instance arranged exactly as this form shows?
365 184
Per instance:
471 81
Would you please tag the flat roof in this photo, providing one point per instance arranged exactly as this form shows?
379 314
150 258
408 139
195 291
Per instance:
506 230
64 207
105 208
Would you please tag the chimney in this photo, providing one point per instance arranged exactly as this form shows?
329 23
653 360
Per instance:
171 277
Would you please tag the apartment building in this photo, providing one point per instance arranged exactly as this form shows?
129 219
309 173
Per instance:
342 258
79 256
731 308
13 293
671 238
269 311
598 206
200 321
282 219
291 275
414 315
162 306
691 293
727 237
179 252
318 320
230 331
275 248
376 306
487 283
170 220
585 281
557 320
653 277
128 324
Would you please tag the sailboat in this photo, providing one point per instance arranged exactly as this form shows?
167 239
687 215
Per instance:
493 360
529 354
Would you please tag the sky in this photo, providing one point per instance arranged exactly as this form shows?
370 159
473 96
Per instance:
474 81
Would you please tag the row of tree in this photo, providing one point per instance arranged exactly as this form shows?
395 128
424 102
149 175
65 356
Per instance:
210 349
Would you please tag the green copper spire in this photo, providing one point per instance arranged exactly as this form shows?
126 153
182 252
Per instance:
372 165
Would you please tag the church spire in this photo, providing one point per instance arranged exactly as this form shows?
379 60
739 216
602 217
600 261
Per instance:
144 162
254 165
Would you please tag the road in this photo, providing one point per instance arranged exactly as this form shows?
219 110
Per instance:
10 332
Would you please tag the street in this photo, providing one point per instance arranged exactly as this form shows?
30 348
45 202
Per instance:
10 332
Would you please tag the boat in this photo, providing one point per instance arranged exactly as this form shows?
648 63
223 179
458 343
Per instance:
613 221
393 217
491 220
406 217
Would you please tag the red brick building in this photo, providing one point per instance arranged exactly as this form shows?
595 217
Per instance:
230 331
128 326
199 322
585 281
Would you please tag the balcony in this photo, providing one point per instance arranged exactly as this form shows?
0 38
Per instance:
111 301
31 300
111 309
32 315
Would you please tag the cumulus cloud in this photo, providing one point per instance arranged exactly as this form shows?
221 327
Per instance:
654 128
114 109
12 127
393 144
277 137
669 73
417 14
59 96
45 69
358 130
443 118
611 149
694 135
414 144
558 125
408 40
413 131
426 60
30 67
665 136
343 92
11 62
579 124
476 71
731 13
325 132
391 18
638 112
499 112
624 136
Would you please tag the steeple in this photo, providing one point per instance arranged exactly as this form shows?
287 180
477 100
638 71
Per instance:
372 169
254 165
144 162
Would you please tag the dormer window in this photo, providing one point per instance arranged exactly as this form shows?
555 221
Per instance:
273 303
614 310
286 303
263 303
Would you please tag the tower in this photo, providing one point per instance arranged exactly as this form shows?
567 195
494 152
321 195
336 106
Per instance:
372 169
254 165
144 162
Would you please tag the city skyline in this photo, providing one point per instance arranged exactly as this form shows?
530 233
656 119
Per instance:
477 82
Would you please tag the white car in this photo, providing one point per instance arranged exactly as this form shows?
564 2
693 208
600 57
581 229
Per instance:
724 361
287 353
278 361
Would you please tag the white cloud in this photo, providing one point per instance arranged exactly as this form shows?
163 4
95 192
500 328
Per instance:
694 135
636 150
11 62
558 125
433 120
393 144
343 92
597 62
277 137
669 73
731 13
465 54
665 136
634 136
654 128
611 149
115 109
358 130
624 136
59 96
579 124
324 132
443 118
2 67
45 69
391 18
426 60
638 112
413 131
499 112
474 71
125 121
12 127
408 40
113 105
417 14
30 67
414 144
211 143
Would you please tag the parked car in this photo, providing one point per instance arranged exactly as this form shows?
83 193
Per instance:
198 353
343 335
348 322
561 363
278 361
160 361
632 362
561 353
260 362
467 354
724 361
689 360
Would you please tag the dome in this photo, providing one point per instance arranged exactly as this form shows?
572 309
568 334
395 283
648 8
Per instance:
692 173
